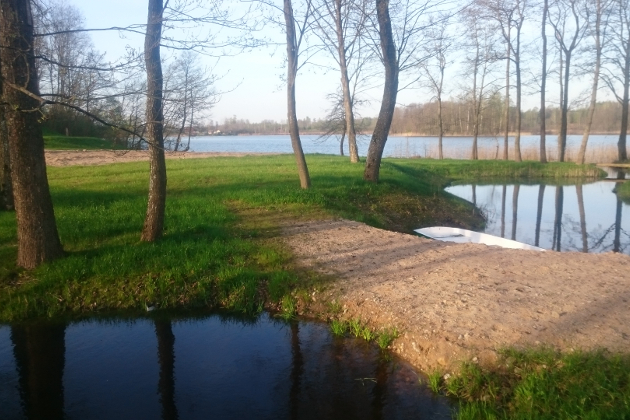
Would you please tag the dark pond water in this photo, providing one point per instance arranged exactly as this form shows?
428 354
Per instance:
213 367
585 218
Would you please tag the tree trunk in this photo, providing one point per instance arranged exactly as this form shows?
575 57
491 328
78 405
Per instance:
558 219
345 85
294 131
343 136
517 189
541 196
580 199
506 134
503 211
621 145
390 90
38 240
562 138
441 122
543 87
166 360
6 190
591 110
517 65
154 220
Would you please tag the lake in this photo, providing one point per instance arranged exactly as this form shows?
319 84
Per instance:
396 146
213 366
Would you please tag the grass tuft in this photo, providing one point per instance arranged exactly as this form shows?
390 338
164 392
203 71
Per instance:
386 337
544 384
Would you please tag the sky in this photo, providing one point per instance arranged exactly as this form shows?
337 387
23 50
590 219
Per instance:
251 83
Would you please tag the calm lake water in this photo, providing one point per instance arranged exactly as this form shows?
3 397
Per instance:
585 218
454 147
212 367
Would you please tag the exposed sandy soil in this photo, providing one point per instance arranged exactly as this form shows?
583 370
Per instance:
452 302
104 157
458 302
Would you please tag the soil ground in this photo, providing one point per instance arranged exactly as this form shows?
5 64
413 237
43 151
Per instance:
451 302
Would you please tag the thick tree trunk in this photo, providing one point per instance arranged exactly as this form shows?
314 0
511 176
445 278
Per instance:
294 131
166 359
39 352
6 190
543 87
390 91
38 240
345 85
154 220
557 242
591 110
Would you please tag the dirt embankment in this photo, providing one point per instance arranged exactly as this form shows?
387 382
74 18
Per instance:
105 157
458 302
452 302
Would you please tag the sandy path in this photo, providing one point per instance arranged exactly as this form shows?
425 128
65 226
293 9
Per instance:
105 157
460 301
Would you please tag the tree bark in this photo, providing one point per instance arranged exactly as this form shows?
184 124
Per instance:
519 88
591 110
621 144
345 85
506 134
154 220
341 140
390 91
38 240
294 131
6 190
441 123
562 138
543 87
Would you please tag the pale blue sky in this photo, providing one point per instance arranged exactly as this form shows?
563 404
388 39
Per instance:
252 80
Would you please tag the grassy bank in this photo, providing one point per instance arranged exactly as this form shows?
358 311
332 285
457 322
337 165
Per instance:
216 250
623 191
53 142
214 210
542 384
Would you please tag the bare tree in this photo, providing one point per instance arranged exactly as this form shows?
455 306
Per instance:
341 25
38 240
295 32
617 73
154 219
569 29
594 19
478 63
510 15
439 45
399 50
543 85
188 89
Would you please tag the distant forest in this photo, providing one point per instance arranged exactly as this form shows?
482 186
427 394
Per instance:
421 119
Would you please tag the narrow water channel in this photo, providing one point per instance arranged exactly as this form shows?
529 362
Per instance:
215 366
582 217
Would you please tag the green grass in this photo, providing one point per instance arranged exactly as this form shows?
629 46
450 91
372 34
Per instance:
544 384
53 142
623 191
221 217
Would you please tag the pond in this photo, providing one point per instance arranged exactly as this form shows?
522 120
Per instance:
584 217
215 366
